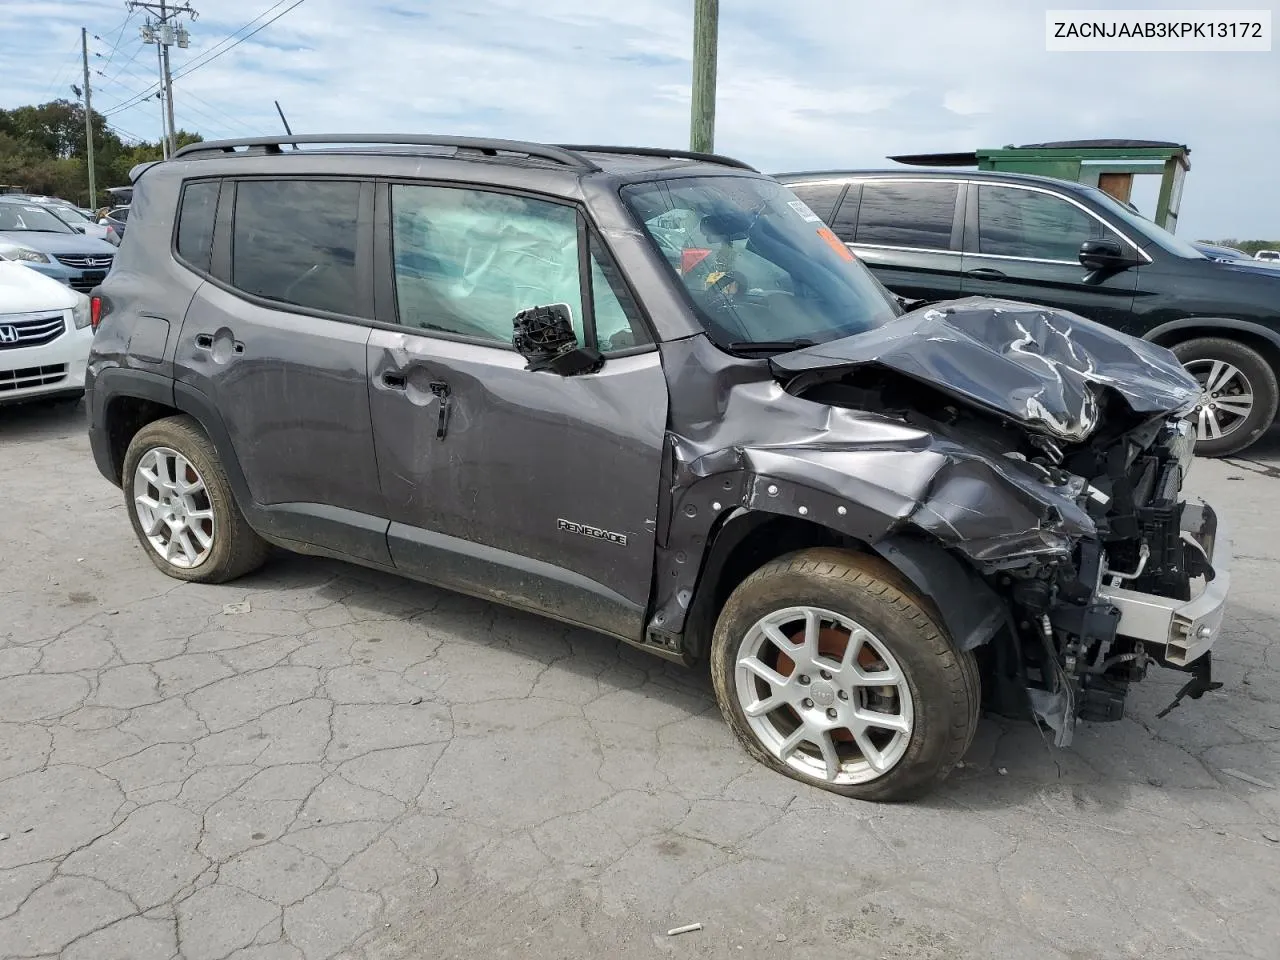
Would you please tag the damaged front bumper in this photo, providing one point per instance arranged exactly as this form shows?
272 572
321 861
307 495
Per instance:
1185 630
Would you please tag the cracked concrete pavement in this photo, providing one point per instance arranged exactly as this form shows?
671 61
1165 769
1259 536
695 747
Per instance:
363 767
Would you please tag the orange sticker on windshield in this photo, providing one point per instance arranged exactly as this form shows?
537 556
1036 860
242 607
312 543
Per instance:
835 242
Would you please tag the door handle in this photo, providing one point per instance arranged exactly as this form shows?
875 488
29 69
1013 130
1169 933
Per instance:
985 273
204 341
445 399
395 381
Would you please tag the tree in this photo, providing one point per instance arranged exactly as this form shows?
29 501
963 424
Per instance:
42 150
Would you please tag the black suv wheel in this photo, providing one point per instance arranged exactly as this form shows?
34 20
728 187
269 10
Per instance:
1239 398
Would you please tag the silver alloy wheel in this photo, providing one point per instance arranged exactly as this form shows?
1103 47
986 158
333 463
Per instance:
173 507
1226 398
824 695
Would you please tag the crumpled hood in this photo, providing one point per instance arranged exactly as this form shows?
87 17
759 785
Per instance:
1045 368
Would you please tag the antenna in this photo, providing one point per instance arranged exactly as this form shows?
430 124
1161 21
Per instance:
285 122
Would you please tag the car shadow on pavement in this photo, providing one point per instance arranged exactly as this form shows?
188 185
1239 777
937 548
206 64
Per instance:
41 420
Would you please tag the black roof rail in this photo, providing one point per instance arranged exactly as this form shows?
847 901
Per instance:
659 152
485 145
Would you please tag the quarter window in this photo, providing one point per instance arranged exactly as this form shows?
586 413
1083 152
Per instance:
1026 223
819 197
467 261
294 241
195 222
907 214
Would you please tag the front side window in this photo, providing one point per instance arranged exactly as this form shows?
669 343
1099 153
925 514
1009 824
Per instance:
294 241
1013 222
467 261
1146 230
915 213
757 263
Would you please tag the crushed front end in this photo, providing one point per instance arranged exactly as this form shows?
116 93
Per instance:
1066 446
1150 587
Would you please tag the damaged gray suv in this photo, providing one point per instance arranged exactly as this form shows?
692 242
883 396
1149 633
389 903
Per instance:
651 394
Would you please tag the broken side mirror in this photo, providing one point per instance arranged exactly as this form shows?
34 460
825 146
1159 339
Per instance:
1103 256
544 336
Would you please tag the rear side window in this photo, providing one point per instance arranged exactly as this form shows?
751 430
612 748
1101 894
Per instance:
294 241
819 197
907 214
195 222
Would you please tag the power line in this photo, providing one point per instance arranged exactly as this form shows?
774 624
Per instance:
225 116
207 59
229 37
61 75
126 134
119 36
137 50
213 53
207 121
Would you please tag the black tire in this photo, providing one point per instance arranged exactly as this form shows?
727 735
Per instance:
943 682
236 548
1261 379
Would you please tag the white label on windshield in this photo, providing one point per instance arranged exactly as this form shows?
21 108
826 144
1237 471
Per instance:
805 213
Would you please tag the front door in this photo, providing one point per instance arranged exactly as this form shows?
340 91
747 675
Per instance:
1023 243
278 347
528 487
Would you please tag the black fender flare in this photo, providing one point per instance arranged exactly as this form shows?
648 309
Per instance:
1225 324
715 515
115 383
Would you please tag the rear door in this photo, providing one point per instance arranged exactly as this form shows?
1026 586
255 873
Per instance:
531 488
275 340
1023 243
908 231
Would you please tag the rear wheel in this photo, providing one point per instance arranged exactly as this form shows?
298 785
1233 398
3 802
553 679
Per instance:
1239 394
830 671
182 507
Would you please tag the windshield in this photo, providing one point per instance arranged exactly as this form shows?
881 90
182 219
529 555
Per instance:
68 214
759 266
1148 229
33 219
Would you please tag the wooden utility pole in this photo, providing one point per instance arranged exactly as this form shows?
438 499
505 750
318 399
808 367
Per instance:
167 80
706 28
88 119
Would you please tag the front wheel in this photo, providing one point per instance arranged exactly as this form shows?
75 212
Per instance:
1238 396
830 671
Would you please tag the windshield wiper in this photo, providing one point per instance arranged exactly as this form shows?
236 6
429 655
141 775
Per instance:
768 346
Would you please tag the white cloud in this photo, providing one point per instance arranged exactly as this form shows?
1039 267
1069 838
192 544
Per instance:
807 84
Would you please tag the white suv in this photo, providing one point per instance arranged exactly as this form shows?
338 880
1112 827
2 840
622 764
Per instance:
45 333
1267 255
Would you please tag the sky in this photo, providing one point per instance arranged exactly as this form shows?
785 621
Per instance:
803 84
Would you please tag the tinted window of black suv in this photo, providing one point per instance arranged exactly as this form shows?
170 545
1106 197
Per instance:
944 236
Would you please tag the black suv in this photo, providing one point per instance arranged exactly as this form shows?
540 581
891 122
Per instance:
937 236
649 393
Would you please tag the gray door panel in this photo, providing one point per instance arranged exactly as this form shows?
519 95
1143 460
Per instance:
1060 285
293 393
534 489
